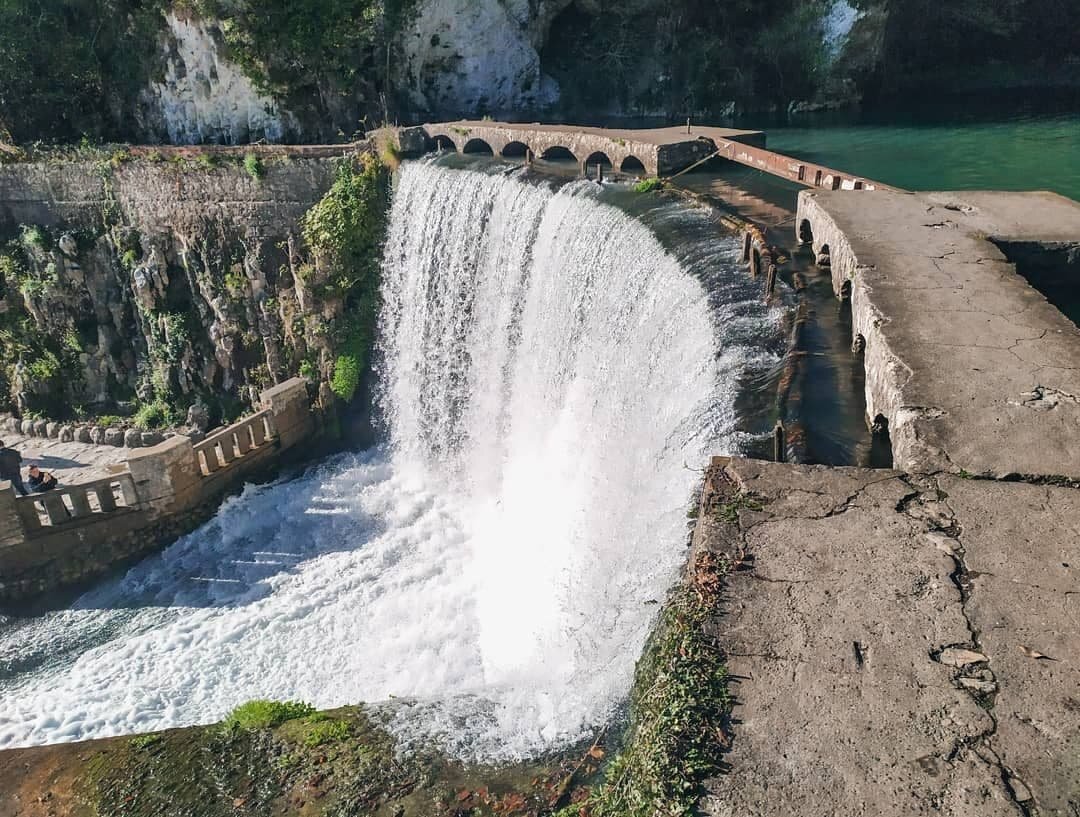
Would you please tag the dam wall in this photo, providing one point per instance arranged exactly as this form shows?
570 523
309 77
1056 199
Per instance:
968 366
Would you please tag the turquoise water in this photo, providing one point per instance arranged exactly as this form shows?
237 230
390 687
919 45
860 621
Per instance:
946 151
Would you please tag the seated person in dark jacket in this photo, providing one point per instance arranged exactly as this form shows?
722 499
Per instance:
9 467
41 481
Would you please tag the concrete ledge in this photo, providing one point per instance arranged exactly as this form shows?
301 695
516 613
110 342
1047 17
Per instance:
972 368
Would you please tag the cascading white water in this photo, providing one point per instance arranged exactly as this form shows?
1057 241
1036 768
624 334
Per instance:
550 377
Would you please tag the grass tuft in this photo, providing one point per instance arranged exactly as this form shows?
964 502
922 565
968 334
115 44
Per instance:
263 714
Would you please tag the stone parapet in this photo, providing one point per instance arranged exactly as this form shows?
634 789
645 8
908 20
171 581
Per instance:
79 531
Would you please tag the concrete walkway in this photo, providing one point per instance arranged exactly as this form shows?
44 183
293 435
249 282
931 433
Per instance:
899 645
71 463
971 366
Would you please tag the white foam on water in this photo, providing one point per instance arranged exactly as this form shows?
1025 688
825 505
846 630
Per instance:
550 379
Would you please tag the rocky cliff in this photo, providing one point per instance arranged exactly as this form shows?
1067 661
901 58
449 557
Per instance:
231 71
154 284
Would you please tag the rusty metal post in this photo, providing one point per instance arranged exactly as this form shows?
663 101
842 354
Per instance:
779 443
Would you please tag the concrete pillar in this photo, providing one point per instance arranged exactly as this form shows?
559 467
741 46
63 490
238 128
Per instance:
779 442
12 531
290 411
167 476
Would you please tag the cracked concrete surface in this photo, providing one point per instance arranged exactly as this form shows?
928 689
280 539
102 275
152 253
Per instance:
972 367
880 630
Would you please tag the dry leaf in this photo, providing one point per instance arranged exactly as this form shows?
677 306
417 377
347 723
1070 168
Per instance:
956 657
1030 653
596 752
463 795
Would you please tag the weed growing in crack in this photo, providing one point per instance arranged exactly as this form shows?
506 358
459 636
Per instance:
729 511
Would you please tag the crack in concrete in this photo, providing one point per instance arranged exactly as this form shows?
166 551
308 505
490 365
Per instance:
962 580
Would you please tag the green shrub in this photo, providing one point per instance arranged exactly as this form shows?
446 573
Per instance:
263 714
254 166
346 377
156 414
308 370
648 185
207 161
326 731
45 367
145 741
36 237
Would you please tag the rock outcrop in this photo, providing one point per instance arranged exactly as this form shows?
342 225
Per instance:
204 97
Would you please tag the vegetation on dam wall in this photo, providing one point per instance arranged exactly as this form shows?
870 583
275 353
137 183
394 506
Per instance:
142 304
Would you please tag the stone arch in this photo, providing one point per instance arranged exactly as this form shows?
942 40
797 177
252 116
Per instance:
515 150
598 158
858 344
632 164
806 232
478 146
558 152
845 290
444 142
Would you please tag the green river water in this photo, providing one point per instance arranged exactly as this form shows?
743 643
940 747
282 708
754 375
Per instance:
1020 146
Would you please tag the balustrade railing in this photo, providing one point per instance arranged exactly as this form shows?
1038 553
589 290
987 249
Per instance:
222 448
76 502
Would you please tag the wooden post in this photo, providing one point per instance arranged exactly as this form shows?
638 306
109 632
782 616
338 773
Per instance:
770 282
779 445
747 243
688 126
599 173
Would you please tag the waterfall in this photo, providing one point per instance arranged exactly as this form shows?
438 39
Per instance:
551 382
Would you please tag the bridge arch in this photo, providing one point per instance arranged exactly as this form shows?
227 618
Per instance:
444 142
632 164
806 232
478 146
558 152
515 150
598 158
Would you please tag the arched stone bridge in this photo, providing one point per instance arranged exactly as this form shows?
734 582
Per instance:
653 152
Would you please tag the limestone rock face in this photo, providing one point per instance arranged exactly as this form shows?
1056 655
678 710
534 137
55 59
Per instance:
205 98
467 57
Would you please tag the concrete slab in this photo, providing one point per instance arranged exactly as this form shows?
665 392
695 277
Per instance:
971 366
847 635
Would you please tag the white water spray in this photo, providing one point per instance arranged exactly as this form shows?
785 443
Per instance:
548 373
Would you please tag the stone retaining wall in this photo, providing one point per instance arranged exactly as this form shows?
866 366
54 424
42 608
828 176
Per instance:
72 534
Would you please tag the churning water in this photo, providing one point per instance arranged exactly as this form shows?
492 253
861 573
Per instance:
550 377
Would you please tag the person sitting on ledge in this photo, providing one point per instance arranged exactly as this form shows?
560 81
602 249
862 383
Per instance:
41 481
9 467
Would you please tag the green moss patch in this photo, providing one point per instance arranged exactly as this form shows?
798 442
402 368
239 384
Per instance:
678 711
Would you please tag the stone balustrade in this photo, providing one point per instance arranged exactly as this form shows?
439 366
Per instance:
78 531
224 448
74 503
